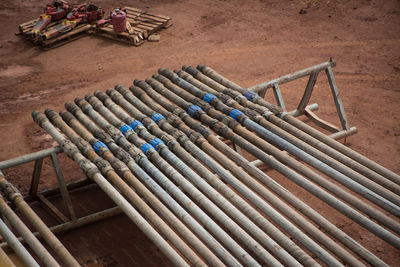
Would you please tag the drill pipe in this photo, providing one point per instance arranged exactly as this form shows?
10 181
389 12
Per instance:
253 143
254 171
283 222
382 186
374 213
304 127
16 245
40 251
190 160
191 190
141 189
5 260
15 197
93 173
85 145
206 83
194 95
225 131
142 160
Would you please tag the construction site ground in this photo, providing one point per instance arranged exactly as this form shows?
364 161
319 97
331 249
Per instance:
249 42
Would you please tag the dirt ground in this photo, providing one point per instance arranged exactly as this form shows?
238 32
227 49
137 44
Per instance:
249 42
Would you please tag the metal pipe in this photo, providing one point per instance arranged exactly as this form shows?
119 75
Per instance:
389 190
29 157
93 173
243 100
304 127
193 177
18 248
152 154
255 186
137 155
223 130
41 252
120 167
13 195
79 222
374 192
5 260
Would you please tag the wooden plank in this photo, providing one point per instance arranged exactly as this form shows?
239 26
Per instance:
147 13
68 37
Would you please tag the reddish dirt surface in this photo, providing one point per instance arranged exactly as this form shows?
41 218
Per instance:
249 43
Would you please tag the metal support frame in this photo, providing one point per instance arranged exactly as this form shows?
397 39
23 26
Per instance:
62 189
303 108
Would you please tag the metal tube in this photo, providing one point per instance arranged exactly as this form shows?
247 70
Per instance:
127 191
258 143
193 177
18 248
26 234
328 155
391 199
92 171
222 129
134 153
29 157
306 128
5 260
241 254
13 195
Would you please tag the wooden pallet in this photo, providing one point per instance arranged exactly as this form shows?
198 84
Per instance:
143 25
79 31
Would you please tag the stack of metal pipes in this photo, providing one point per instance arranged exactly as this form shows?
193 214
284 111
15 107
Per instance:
157 149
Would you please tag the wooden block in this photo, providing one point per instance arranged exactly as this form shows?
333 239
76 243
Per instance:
129 28
154 38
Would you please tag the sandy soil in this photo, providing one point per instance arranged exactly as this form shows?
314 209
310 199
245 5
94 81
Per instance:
248 43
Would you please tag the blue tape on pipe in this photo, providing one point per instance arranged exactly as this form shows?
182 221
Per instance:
235 113
155 142
193 109
145 147
250 95
209 97
156 117
98 145
125 128
134 124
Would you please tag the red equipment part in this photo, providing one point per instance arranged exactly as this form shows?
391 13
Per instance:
57 10
118 20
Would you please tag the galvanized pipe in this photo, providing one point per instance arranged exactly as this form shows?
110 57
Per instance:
188 187
18 248
120 167
305 128
41 252
141 159
93 173
29 157
253 171
325 153
190 160
15 197
195 96
223 130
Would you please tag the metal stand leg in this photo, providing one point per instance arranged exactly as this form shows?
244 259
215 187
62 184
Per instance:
36 177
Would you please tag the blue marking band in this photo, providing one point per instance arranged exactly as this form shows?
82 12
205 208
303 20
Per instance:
193 109
157 116
145 147
209 97
155 142
134 124
235 113
250 95
99 145
125 128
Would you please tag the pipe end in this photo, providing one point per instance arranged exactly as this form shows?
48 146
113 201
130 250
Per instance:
51 114
67 116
